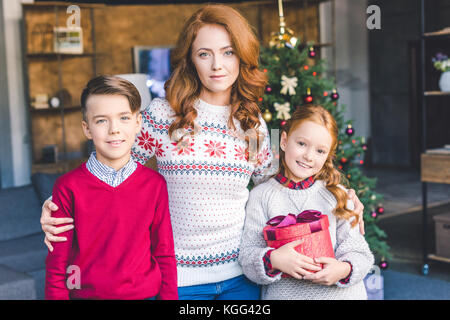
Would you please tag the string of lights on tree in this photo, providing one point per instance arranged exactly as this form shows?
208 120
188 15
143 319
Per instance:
296 78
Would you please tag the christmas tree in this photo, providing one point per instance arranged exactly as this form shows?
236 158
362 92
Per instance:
296 77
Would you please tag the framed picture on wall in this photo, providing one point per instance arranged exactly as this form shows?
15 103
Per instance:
68 40
155 62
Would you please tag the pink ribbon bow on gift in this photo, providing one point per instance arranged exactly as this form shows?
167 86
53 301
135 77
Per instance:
308 216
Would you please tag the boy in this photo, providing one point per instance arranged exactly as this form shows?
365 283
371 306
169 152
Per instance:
122 245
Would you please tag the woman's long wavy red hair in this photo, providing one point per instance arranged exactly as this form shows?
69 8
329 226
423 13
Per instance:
329 174
183 87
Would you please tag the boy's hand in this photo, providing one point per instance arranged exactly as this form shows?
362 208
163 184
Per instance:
333 271
289 261
48 223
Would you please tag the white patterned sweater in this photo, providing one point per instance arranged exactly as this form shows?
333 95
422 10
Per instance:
270 199
207 178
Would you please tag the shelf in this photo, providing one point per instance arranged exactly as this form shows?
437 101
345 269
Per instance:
435 167
438 258
441 33
437 93
62 4
55 110
62 55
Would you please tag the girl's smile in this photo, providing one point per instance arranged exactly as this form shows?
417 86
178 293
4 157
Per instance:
306 150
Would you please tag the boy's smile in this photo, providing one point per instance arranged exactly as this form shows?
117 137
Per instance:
112 127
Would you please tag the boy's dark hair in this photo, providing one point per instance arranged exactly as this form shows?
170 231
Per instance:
107 84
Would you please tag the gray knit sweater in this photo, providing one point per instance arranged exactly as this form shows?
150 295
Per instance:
271 199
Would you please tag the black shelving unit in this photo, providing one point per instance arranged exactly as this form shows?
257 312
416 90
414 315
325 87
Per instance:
433 166
58 9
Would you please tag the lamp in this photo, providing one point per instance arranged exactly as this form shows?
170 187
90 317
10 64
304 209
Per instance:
140 82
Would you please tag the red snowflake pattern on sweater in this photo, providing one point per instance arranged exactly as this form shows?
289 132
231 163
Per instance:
183 147
147 142
159 152
241 153
215 149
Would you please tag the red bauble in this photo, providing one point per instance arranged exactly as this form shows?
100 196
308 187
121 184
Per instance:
334 95
383 264
311 52
380 210
308 99
349 131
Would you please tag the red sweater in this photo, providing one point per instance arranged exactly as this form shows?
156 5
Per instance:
122 243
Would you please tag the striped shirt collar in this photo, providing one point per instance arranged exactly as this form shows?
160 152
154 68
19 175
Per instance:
304 184
107 174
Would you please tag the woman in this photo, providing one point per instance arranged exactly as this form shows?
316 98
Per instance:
209 139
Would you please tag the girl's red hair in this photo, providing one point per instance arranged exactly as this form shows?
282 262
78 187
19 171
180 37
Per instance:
183 87
329 174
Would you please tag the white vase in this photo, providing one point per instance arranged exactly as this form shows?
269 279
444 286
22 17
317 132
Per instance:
444 81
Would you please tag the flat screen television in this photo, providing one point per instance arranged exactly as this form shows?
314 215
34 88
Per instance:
155 62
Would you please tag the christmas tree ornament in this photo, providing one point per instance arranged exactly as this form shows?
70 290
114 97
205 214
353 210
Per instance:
343 161
380 210
364 144
285 37
288 85
267 116
308 98
311 52
349 131
268 89
383 264
374 214
373 197
283 110
334 95
283 123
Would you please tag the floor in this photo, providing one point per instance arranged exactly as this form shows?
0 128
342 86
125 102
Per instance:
402 221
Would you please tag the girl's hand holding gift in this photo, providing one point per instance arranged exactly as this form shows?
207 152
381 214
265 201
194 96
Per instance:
289 261
333 271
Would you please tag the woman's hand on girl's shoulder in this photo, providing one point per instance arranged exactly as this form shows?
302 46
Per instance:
359 208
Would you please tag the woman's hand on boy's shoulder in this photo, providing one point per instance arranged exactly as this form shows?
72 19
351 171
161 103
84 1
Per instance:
359 208
49 224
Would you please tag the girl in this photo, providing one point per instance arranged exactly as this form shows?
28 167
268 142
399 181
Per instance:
306 180
200 135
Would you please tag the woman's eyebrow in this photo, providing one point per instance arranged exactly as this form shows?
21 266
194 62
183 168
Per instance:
223 48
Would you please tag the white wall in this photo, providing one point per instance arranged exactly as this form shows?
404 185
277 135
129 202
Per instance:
20 140
352 58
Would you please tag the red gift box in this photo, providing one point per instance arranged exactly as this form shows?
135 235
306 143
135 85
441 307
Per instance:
310 225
